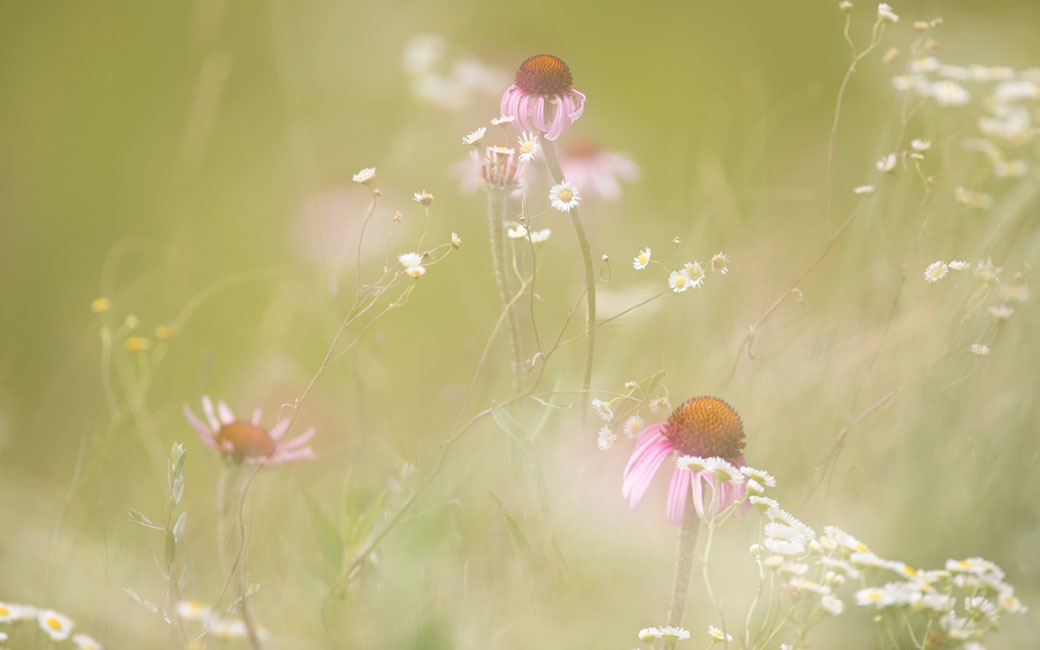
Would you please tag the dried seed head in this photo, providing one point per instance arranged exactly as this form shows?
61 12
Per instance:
544 74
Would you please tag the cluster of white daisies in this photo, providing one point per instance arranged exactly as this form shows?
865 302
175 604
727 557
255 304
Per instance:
56 626
690 276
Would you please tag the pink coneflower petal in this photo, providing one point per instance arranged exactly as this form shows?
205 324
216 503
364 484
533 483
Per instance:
204 432
639 482
207 408
678 490
560 123
650 435
299 440
522 110
539 114
300 454
227 416
576 109
280 428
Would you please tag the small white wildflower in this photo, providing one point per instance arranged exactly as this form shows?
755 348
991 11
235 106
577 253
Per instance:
959 265
773 561
845 6
718 634
723 470
754 487
936 271
416 271
456 241
885 13
633 426
832 605
1010 602
794 568
57 626
783 546
602 410
540 236
667 633
979 349
982 607
564 196
365 175
720 263
678 281
873 596
841 565
906 82
1001 312
949 93
640 261
925 64
763 503
802 584
605 438
918 144
1010 168
84 642
759 475
843 539
517 231
987 270
887 163
409 259
423 197
937 602
660 406
502 119
972 199
193 610
474 137
693 464
1018 291
864 189
528 145
695 272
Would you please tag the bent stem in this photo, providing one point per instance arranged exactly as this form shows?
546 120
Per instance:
553 163
498 202
683 567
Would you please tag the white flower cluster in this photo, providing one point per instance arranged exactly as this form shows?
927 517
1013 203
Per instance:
965 599
691 275
55 625
213 624
627 422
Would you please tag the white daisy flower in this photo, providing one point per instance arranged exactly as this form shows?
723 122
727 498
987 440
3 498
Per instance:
640 261
718 634
841 565
633 426
602 410
416 271
695 272
564 196
794 568
885 13
925 64
773 561
502 119
365 175
57 626
667 633
605 438
959 265
474 137
528 145
517 231
84 642
423 197
845 6
754 487
937 602
723 470
456 241
409 259
777 530
949 93
762 476
887 163
763 503
1010 168
864 189
540 236
679 281
783 546
981 606
193 610
844 540
694 464
979 349
1001 312
873 596
832 605
918 144
720 263
802 584
781 515
936 271
1007 600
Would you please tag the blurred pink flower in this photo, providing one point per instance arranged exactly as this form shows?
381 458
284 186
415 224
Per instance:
245 440
542 97
597 171
702 427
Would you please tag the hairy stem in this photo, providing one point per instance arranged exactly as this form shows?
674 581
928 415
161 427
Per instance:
498 203
590 278
683 567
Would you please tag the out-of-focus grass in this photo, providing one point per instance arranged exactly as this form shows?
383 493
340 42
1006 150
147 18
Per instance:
727 110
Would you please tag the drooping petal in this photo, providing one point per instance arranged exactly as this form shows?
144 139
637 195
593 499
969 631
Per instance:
649 436
678 490
204 432
280 428
639 482
539 114
299 440
507 96
560 121
256 416
207 408
577 107
299 454
522 111
227 416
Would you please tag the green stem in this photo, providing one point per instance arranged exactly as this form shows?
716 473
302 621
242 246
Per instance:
683 566
498 203
556 171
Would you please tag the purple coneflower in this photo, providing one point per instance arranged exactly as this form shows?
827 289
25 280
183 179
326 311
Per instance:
710 432
245 441
542 97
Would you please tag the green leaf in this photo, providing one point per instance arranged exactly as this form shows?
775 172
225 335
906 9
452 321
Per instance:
178 489
178 528
356 532
170 548
138 517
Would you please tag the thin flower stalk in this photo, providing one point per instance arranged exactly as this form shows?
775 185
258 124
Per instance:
683 568
498 203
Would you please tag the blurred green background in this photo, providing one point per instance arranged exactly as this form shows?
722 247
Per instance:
162 153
